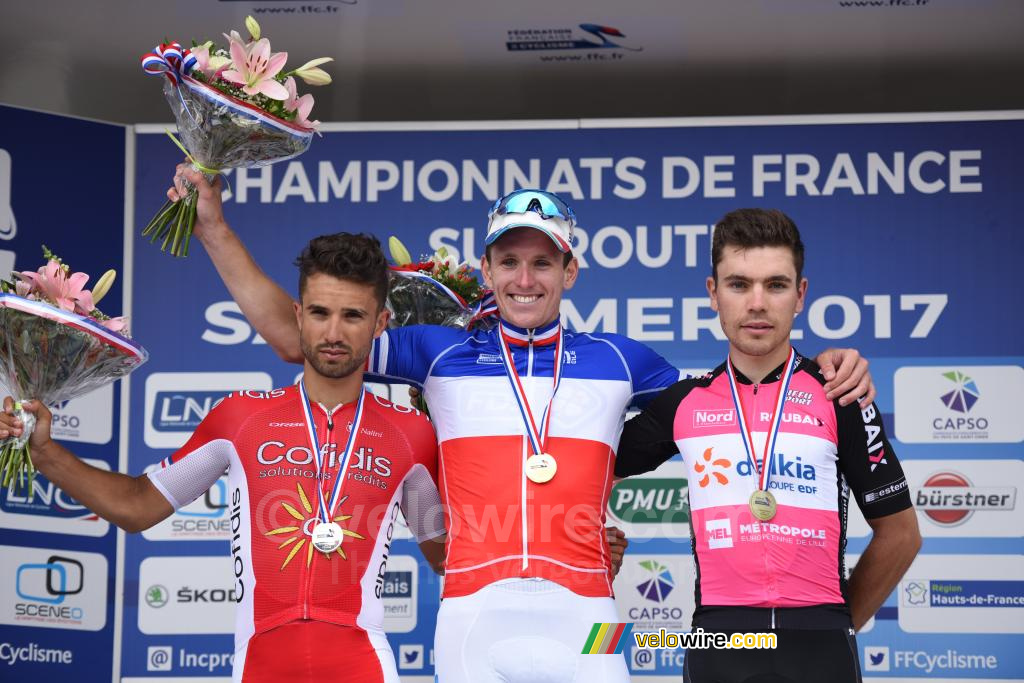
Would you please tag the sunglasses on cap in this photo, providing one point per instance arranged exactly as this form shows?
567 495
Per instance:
545 204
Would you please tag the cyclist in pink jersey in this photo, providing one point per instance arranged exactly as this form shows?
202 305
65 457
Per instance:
319 474
770 462
528 570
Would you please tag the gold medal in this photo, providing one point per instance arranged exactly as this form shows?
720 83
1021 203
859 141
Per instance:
541 468
762 505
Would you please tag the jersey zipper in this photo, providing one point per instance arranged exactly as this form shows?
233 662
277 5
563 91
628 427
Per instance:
522 507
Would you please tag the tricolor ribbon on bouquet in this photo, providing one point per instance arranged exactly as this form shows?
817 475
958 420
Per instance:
169 59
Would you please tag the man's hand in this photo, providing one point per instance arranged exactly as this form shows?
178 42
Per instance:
209 210
10 425
846 376
617 543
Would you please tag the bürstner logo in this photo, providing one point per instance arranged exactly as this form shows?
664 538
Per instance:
949 498
964 396
658 583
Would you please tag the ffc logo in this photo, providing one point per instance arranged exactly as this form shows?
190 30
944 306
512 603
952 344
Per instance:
51 582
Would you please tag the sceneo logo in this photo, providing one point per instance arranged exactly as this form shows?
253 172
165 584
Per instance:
45 586
949 499
650 500
709 465
658 583
304 529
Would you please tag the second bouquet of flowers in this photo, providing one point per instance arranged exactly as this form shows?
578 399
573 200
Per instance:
235 107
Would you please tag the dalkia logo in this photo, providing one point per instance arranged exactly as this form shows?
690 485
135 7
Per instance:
659 584
964 396
302 531
949 498
650 500
707 469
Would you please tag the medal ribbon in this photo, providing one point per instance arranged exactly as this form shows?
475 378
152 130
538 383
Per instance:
537 436
326 510
768 458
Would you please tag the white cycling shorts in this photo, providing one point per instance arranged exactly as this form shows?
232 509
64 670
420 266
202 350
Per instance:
523 631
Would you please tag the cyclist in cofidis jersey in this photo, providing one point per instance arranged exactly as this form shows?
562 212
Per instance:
311 533
770 463
527 416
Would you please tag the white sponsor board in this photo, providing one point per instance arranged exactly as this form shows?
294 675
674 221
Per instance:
966 497
49 509
177 401
48 588
207 518
400 594
86 419
959 404
656 591
186 595
963 594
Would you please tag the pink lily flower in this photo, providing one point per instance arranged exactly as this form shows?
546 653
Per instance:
209 65
118 324
255 68
51 282
300 105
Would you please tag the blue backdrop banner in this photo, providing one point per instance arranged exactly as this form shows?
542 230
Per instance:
912 239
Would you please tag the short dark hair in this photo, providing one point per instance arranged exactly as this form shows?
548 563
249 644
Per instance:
346 256
750 228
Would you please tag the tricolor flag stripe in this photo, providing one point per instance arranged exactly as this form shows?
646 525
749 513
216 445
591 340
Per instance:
606 639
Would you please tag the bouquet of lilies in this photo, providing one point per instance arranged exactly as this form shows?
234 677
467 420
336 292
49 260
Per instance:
235 107
437 290
56 345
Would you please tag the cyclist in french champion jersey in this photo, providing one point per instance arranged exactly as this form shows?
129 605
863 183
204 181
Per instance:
527 416
770 462
319 474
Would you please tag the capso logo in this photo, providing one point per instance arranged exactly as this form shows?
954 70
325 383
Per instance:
658 583
650 500
964 396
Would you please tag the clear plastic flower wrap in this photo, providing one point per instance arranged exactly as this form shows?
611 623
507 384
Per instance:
436 291
219 132
53 355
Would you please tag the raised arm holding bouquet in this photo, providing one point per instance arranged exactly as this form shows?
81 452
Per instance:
235 107
55 345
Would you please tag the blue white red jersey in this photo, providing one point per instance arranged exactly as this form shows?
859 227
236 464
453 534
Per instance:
500 524
261 440
822 451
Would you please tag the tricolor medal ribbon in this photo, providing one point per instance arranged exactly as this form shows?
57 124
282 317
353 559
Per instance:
540 467
327 534
762 503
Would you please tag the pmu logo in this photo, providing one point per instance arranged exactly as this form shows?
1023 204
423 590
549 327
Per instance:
949 499
44 586
182 411
658 582
650 500
43 498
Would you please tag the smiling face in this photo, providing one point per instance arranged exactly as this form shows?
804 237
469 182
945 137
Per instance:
338 321
757 295
525 269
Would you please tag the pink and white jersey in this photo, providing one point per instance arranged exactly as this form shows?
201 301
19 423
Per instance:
500 524
261 439
822 451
